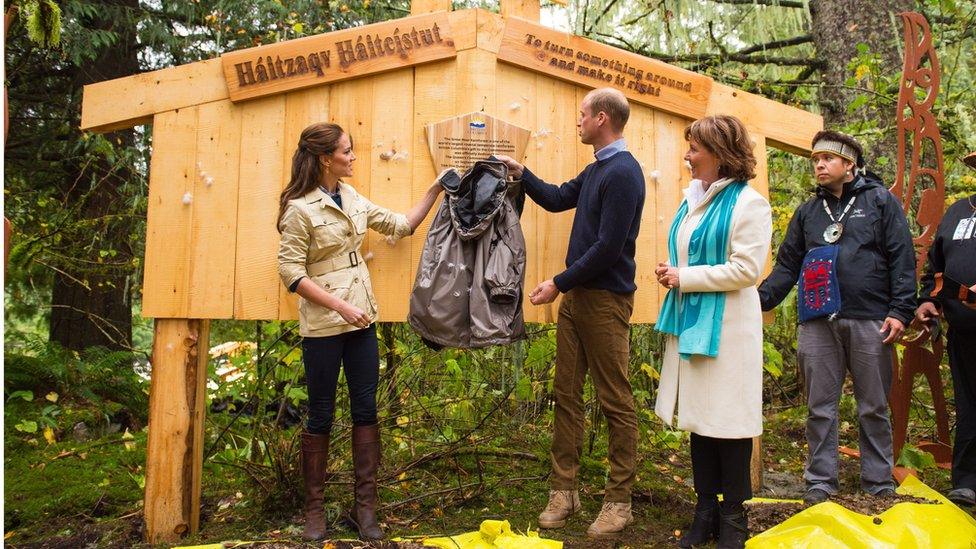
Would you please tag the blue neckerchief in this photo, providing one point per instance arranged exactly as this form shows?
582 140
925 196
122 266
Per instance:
696 317
619 145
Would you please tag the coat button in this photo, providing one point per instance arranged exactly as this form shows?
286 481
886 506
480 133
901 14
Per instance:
348 233
355 279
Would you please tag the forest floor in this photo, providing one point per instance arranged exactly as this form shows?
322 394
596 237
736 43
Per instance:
76 493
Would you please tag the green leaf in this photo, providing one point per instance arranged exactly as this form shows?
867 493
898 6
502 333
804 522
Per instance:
26 395
26 426
914 458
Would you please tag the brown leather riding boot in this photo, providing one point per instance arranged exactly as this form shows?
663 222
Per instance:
366 460
315 461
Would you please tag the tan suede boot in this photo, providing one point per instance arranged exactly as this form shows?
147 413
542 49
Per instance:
562 504
612 520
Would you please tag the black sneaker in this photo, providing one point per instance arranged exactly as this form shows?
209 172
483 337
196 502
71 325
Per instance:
962 496
815 496
885 493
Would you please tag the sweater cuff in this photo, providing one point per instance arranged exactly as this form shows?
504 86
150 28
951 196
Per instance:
561 283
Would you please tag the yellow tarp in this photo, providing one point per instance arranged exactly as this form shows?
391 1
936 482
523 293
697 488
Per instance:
903 526
494 534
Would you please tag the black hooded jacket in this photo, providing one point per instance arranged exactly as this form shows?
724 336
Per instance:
876 260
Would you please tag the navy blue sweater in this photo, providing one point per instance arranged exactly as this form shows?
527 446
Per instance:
608 196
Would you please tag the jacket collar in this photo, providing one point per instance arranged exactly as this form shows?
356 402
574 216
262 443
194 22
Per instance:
318 195
696 200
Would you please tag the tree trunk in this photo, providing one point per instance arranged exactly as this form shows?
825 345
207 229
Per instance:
93 306
838 27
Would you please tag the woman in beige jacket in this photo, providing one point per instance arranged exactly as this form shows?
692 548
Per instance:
323 222
713 363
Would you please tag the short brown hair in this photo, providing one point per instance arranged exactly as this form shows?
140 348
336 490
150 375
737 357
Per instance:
832 135
726 137
612 102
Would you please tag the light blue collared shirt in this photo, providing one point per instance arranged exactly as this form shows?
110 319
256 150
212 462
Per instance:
619 145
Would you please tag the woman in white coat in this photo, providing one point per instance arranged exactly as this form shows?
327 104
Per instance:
712 372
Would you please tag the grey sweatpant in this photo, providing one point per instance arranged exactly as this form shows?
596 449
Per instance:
827 350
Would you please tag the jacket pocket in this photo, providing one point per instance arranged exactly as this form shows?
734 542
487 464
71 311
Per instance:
359 221
329 231
337 283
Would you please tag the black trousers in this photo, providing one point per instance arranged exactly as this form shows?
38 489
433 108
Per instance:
721 466
358 354
962 362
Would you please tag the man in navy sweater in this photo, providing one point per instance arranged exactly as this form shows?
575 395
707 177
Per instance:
593 327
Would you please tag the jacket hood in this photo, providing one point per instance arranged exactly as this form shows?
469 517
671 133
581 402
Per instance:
476 197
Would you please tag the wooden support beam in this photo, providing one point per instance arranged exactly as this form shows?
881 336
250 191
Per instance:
429 6
526 9
756 465
177 402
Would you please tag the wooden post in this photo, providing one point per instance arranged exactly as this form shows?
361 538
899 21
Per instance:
177 403
756 465
526 9
418 7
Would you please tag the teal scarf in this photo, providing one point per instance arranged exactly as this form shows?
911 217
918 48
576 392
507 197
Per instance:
696 317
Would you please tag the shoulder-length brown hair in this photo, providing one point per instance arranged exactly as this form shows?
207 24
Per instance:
321 138
726 137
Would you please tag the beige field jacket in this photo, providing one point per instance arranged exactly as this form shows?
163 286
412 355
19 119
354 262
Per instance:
322 242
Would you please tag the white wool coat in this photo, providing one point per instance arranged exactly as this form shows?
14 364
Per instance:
721 397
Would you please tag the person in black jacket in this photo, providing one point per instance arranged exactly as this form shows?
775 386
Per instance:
949 289
852 237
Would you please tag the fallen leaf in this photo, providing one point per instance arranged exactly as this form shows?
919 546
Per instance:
9 534
52 396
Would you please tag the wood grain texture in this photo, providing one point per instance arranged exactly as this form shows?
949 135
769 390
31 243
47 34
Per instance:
336 56
177 405
169 248
133 100
591 64
256 273
391 187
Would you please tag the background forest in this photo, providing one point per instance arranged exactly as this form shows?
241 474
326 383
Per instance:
466 433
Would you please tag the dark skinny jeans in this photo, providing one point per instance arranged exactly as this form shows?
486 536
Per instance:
358 353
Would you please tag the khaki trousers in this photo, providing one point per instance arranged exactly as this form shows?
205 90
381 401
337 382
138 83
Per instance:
593 335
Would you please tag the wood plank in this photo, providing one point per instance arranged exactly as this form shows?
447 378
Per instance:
169 247
464 27
785 127
302 108
516 103
526 9
214 212
556 110
256 276
591 64
177 405
491 29
133 100
435 89
672 177
640 137
418 7
476 77
335 56
391 187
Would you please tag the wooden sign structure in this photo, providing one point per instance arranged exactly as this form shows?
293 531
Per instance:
224 132
461 141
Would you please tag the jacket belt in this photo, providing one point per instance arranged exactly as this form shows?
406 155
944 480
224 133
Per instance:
333 264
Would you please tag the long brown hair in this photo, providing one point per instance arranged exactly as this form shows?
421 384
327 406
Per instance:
726 137
321 138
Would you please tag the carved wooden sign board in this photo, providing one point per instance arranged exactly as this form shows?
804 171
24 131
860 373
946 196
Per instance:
335 56
596 65
461 141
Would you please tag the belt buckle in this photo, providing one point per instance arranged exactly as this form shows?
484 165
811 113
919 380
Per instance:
353 259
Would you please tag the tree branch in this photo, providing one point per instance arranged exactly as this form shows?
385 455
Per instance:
780 3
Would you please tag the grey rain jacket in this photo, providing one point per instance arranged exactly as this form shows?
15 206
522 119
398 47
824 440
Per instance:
468 291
